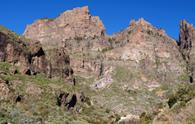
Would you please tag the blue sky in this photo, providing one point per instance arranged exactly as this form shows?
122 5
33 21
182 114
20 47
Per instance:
115 14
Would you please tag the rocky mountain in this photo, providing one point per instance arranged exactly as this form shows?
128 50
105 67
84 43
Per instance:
68 70
142 60
76 24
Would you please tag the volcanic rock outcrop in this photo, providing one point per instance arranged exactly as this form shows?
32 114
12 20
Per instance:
30 58
143 59
75 30
187 47
14 50
73 24
59 63
149 50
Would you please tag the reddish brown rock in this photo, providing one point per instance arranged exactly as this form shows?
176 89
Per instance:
141 58
60 63
38 59
75 30
72 24
149 50
14 51
30 57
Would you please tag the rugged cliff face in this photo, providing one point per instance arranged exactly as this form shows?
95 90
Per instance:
186 44
75 30
140 60
30 58
59 64
149 50
76 24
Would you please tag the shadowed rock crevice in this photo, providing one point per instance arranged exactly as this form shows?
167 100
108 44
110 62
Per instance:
62 99
19 98
28 72
72 102
39 53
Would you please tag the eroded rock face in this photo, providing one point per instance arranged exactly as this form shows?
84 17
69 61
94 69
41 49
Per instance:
150 50
37 58
187 46
72 24
30 57
14 52
143 60
75 30
60 63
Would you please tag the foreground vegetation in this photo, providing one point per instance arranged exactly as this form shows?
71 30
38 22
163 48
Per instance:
33 99
38 101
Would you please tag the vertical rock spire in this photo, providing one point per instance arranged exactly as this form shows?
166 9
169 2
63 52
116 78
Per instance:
186 45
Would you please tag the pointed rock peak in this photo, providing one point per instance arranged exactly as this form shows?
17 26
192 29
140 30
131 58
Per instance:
183 22
42 21
184 25
140 22
143 22
187 31
78 10
144 26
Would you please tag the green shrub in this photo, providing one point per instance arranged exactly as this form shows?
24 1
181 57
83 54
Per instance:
190 120
46 18
3 118
123 74
145 118
172 100
13 35
4 66
107 49
184 94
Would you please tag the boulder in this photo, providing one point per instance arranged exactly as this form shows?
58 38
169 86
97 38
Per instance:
4 90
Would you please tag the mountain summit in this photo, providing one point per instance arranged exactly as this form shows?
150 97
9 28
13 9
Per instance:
72 24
